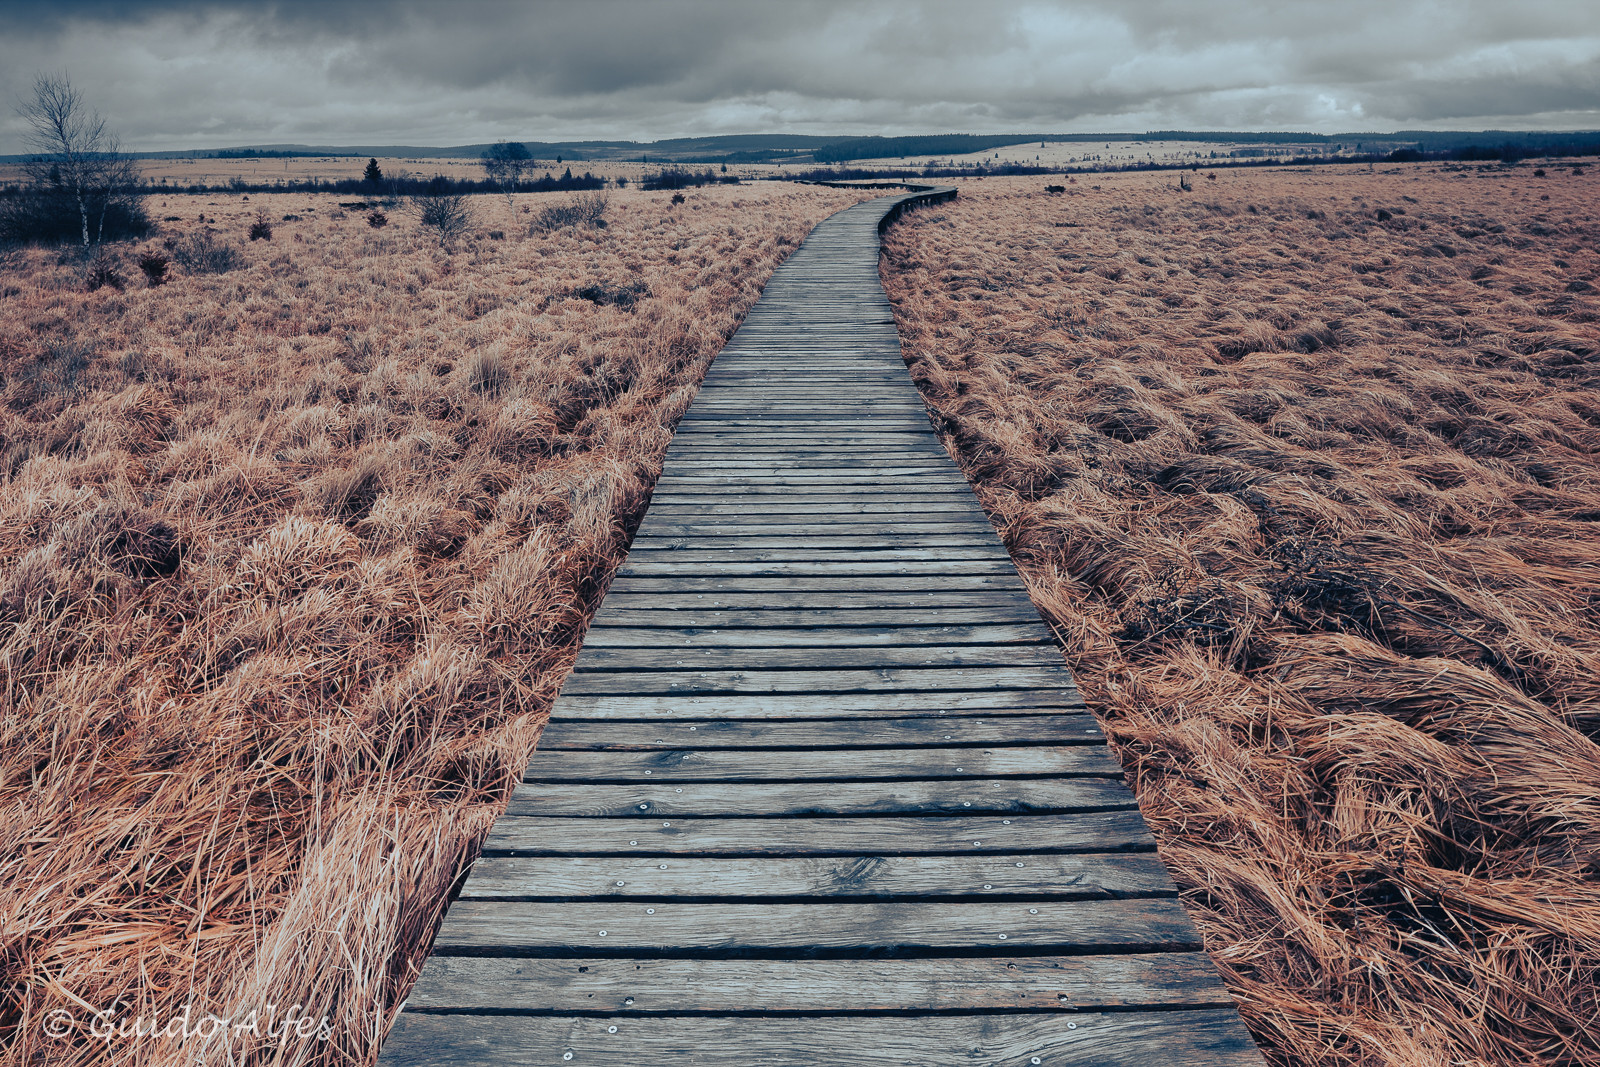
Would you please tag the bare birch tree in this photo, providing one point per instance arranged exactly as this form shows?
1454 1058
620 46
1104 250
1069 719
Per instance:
76 156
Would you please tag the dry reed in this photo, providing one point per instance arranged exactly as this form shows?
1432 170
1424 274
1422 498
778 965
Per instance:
1310 494
296 556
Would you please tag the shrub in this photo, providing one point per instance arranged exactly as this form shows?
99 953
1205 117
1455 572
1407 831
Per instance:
154 265
604 294
584 209
102 272
1055 188
448 216
261 228
377 220
677 198
201 253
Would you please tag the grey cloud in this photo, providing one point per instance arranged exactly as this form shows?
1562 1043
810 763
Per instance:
190 74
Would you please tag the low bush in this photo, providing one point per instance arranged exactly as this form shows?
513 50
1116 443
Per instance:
584 209
102 272
203 253
448 216
154 265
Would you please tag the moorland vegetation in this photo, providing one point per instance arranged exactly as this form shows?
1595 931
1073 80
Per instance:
300 535
1304 469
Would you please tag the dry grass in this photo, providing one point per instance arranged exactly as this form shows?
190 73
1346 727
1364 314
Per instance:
296 556
1312 501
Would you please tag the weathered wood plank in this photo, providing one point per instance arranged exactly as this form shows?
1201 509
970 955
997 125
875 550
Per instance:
843 680
738 706
1048 729
761 765
725 634
659 612
1061 877
876 567
1097 831
885 797
910 583
705 656
679 987
1213 1038
476 927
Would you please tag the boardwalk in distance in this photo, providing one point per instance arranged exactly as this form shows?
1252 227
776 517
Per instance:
819 789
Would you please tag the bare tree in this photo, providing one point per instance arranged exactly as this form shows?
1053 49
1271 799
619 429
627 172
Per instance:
504 163
448 216
76 156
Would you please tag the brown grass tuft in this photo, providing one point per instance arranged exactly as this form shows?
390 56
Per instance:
296 556
1309 491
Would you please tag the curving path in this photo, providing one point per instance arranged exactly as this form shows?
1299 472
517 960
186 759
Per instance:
819 789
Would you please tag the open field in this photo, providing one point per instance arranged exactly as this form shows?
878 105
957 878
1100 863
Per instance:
1304 468
296 557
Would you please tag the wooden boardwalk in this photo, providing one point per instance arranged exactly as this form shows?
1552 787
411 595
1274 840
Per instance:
819 789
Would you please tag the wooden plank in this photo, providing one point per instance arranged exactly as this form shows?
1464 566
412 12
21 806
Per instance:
654 526
887 503
1213 1038
1049 729
978 545
708 656
824 548
666 566
761 765
658 612
725 634
1060 877
886 679
886 797
900 584
475 927
741 706
681 987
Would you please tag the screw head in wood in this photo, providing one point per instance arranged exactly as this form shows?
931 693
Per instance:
611 1029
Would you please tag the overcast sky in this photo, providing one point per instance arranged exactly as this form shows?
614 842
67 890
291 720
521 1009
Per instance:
203 75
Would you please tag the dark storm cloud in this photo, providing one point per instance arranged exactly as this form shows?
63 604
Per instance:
206 74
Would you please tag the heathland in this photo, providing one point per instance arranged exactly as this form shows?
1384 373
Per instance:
1304 469
299 544
1301 465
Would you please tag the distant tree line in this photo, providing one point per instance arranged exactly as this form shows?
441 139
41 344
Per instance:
683 178
398 186
944 144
